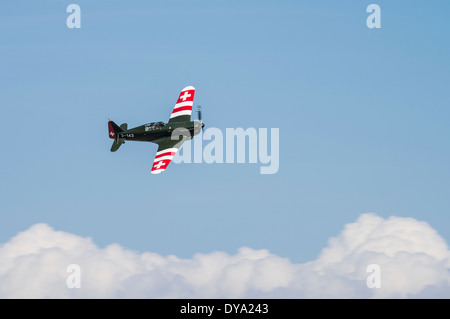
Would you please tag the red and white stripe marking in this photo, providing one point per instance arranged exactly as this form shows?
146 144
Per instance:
184 103
162 160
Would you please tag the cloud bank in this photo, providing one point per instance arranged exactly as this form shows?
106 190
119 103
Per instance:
414 262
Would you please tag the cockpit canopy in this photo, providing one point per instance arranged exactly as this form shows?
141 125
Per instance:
154 126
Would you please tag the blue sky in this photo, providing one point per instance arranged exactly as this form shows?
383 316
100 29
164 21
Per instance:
363 118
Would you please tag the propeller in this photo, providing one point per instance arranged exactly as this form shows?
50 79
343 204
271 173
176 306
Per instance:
199 114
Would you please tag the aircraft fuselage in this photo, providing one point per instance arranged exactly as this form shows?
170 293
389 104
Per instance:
155 133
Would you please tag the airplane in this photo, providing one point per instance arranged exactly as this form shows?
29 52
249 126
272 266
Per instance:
160 132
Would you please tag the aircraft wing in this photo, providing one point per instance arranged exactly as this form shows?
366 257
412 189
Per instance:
183 108
166 151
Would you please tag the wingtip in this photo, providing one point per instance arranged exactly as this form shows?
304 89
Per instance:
188 88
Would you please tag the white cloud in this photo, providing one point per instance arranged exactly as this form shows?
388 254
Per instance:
414 261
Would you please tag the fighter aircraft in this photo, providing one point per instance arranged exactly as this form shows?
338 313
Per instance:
160 132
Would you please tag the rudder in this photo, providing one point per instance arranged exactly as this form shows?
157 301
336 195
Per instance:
113 129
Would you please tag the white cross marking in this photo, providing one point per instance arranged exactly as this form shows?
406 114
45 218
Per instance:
157 166
112 133
185 96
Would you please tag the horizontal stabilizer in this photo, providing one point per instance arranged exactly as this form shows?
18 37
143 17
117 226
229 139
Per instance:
116 144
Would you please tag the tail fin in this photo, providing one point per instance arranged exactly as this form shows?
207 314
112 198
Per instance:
113 130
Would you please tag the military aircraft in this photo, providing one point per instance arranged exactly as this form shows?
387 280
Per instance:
160 132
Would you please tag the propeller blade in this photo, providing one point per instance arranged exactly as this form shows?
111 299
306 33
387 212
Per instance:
199 113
